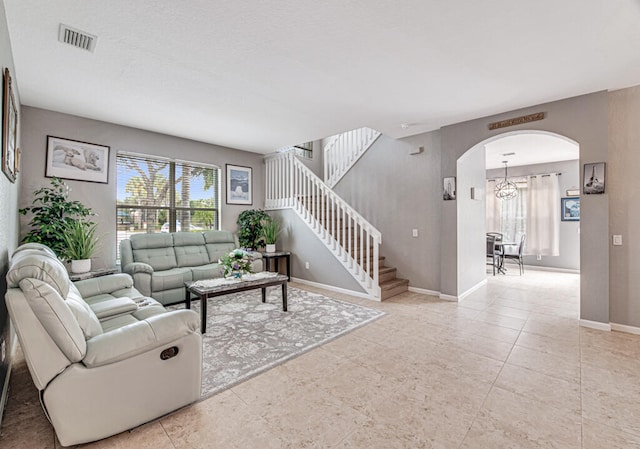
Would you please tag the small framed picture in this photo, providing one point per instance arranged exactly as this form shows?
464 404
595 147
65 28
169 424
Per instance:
594 179
449 189
239 185
79 161
570 209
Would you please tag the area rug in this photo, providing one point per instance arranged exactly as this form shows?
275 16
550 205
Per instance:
246 337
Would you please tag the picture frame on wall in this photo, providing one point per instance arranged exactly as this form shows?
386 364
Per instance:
9 128
77 160
570 208
239 184
449 188
594 178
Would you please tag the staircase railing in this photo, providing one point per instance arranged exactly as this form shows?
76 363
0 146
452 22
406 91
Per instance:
351 238
344 150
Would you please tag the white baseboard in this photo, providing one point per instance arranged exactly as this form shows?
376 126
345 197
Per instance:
625 328
472 289
334 289
557 270
424 291
448 297
596 325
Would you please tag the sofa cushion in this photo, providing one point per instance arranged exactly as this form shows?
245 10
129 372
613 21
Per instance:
209 271
86 317
219 237
169 279
217 250
148 241
159 258
189 248
56 317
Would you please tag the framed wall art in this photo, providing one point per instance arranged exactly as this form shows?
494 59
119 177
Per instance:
570 209
449 188
79 161
9 128
594 179
239 185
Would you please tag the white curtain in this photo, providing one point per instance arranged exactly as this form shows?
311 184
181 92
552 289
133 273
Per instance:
493 208
543 215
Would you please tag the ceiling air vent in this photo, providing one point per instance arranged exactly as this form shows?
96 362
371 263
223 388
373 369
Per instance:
77 38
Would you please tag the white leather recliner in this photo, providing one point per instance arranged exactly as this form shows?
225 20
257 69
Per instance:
104 358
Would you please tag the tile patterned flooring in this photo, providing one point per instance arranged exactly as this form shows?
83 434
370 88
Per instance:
508 367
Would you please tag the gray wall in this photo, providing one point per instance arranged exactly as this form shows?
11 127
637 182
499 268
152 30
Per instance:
398 192
569 257
8 221
305 246
583 119
38 123
623 187
471 243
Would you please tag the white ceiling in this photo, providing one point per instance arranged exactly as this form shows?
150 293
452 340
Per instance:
529 149
259 75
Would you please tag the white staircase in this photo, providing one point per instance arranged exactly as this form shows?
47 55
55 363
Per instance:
353 241
344 150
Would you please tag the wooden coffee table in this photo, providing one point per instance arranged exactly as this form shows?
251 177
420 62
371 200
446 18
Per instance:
205 292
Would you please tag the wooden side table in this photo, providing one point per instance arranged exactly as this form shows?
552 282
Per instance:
268 257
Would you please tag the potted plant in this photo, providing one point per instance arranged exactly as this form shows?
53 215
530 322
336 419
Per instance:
81 242
250 228
53 213
270 231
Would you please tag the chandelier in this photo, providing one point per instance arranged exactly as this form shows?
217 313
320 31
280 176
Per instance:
505 189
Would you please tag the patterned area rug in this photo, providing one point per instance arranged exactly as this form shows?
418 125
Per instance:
246 337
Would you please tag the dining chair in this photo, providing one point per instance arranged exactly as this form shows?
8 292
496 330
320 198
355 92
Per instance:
498 249
493 253
511 254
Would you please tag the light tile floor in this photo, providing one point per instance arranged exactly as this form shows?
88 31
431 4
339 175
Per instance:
508 367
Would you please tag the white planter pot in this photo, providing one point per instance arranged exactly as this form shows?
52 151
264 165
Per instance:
271 248
81 266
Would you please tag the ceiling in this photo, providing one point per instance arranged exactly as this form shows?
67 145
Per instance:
529 149
259 75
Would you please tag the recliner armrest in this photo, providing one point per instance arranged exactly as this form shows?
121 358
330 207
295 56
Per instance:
104 284
113 307
129 341
137 267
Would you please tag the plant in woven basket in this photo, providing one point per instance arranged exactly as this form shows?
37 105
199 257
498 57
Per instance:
236 263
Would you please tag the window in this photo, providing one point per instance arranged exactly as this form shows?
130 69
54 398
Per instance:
163 195
303 150
509 217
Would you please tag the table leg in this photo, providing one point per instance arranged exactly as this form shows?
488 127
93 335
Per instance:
203 314
288 257
264 294
284 296
267 263
187 300
277 265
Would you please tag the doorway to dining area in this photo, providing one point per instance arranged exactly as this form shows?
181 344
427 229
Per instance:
532 203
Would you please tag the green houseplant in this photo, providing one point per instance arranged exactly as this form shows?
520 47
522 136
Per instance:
250 228
270 231
81 243
52 214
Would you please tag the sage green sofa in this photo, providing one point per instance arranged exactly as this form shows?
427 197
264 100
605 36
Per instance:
103 357
161 263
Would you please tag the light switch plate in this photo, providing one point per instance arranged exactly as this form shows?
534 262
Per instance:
415 233
617 240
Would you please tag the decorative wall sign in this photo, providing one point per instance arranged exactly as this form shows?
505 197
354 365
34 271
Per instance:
239 185
517 121
80 161
9 129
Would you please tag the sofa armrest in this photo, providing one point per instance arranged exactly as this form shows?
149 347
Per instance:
137 267
143 336
104 284
255 255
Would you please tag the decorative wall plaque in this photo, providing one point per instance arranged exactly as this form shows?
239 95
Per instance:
517 121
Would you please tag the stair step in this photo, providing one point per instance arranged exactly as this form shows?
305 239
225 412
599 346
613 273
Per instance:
393 288
386 274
